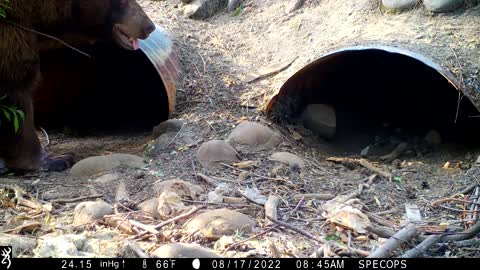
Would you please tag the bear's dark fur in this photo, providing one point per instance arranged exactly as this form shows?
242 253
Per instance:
121 21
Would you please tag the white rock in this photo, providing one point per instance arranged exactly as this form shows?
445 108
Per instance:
442 5
212 153
288 158
94 165
20 244
87 212
252 136
399 4
181 250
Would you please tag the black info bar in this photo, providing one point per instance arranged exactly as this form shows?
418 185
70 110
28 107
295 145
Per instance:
224 263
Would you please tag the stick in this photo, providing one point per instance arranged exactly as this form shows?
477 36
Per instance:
318 196
422 247
76 199
398 151
165 223
46 35
395 241
232 246
297 230
271 208
374 169
144 227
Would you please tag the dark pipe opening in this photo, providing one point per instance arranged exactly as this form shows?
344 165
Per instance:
372 88
114 90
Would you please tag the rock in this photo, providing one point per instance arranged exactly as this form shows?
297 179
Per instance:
212 153
478 160
433 137
59 246
107 178
111 248
233 5
87 212
321 119
181 250
94 165
442 5
288 158
170 204
399 4
216 223
171 125
20 244
203 9
182 188
150 206
253 137
164 141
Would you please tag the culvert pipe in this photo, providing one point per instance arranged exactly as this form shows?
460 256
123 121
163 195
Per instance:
114 89
378 84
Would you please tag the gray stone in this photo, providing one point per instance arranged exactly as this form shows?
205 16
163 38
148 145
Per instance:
203 9
321 119
182 188
87 212
181 250
171 125
442 5
212 153
250 136
20 244
110 248
59 246
288 158
95 165
150 206
399 4
106 179
216 223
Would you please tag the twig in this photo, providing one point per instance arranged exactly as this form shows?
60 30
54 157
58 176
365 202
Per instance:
232 246
46 136
76 199
144 227
165 223
318 196
422 247
46 35
271 208
398 151
297 230
374 169
402 236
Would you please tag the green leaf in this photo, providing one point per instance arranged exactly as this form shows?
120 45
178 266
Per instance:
21 114
397 179
16 124
7 115
3 97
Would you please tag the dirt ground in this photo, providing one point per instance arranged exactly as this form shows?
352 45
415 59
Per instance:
213 98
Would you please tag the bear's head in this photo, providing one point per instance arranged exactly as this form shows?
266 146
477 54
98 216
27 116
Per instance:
123 21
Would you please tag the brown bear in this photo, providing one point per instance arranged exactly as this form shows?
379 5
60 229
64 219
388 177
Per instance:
122 22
